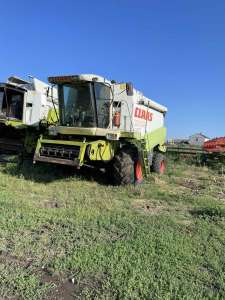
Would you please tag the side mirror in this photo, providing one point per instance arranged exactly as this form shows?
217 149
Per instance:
47 91
129 89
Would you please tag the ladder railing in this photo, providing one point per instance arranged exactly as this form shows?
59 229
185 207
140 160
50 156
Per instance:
144 159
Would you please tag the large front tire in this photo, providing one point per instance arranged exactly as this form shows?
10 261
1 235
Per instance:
123 167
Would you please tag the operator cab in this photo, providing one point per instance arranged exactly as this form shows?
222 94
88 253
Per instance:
11 102
85 101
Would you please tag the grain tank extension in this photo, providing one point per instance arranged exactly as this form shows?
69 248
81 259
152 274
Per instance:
105 124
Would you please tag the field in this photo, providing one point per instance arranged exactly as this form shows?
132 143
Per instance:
71 236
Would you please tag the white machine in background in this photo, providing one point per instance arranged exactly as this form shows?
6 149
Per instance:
24 105
26 102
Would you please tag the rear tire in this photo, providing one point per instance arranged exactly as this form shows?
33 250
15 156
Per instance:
123 166
159 163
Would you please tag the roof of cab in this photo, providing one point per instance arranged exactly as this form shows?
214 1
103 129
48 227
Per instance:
80 77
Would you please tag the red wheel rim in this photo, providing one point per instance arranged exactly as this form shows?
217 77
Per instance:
162 167
138 172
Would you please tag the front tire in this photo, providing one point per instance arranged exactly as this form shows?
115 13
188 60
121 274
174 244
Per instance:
123 166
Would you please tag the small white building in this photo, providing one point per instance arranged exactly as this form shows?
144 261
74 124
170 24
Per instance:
197 139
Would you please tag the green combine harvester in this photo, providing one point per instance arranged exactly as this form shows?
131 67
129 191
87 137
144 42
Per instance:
105 124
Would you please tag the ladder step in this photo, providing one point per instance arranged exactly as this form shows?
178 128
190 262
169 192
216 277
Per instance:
145 160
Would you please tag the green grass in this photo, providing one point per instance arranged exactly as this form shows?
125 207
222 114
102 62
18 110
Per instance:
66 236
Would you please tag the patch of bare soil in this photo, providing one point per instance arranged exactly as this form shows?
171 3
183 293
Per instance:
196 186
64 289
144 205
7 258
71 288
155 208
51 204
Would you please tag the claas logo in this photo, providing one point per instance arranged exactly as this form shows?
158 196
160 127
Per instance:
143 114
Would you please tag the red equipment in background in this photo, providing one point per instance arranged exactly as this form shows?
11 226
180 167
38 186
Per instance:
215 145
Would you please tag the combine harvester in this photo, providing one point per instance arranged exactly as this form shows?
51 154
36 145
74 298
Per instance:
26 107
105 124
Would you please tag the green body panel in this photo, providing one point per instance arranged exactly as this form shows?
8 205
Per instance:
156 138
52 117
102 150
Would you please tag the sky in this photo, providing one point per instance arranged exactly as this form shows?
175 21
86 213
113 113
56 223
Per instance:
173 51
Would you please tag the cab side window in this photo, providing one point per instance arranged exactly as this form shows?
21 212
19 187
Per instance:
102 95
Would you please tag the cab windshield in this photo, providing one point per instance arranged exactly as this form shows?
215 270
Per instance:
84 104
77 105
